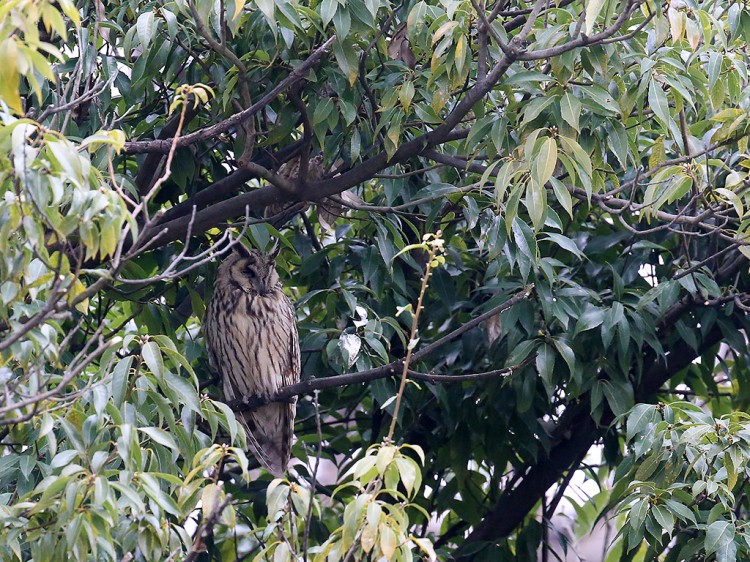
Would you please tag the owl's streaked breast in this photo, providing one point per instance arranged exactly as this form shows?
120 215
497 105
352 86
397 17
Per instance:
259 326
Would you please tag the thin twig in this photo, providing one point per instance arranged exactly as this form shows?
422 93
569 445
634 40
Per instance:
413 340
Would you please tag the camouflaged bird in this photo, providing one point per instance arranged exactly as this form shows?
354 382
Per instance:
252 342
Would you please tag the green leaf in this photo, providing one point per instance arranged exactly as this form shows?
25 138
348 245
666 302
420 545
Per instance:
535 107
146 28
120 380
565 243
152 488
536 203
63 458
681 511
152 356
406 94
570 108
718 535
618 142
590 318
664 518
640 418
184 390
342 22
567 354
618 401
562 195
268 7
657 101
579 156
638 514
161 437
545 365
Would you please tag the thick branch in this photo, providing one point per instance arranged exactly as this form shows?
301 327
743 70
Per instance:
174 230
228 186
365 171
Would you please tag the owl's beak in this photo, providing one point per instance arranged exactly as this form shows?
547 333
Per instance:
262 288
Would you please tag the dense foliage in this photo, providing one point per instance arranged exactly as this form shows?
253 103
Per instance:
561 185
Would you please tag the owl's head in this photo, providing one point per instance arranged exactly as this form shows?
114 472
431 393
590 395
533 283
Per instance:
251 270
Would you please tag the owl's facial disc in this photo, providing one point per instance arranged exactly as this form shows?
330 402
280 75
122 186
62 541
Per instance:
261 273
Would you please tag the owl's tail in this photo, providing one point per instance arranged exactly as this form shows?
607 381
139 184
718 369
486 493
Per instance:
269 431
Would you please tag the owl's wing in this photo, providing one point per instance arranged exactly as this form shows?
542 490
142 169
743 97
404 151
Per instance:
271 427
291 374
209 329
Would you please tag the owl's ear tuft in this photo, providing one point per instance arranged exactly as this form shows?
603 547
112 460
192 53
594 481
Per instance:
275 250
241 250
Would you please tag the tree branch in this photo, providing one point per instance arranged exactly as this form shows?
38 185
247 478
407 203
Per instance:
286 393
158 145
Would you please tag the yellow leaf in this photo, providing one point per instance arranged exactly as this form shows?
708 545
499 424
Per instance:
731 470
367 539
210 499
459 53
388 541
238 6
281 553
54 261
108 241
442 30
53 20
70 10
426 546
9 75
76 289
658 154
731 197
439 99
676 24
385 456
592 12
545 161
393 134
693 33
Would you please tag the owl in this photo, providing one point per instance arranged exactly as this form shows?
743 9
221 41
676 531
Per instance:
251 338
